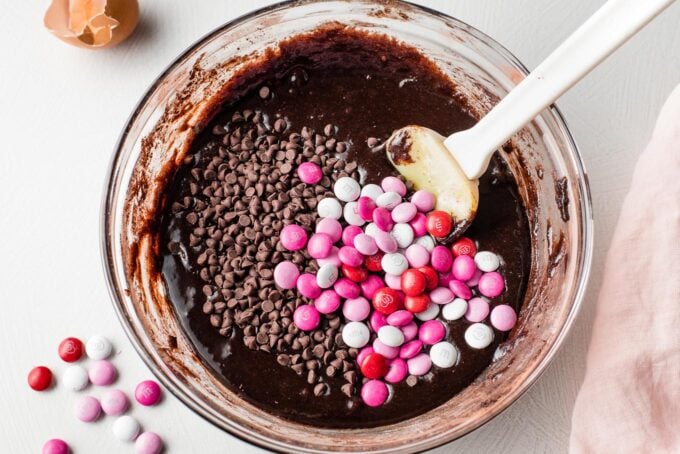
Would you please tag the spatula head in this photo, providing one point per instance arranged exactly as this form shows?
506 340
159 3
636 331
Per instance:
419 154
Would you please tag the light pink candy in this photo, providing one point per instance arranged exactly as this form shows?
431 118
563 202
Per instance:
393 184
347 288
114 402
320 245
404 212
441 258
410 349
477 310
356 309
148 443
286 275
309 173
400 318
306 317
503 317
441 295
385 242
463 268
363 353
419 364
423 200
491 284
377 321
460 290
417 255
475 279
87 409
307 286
374 393
350 256
328 302
419 224
330 227
332 258
383 219
365 207
431 332
365 244
102 373
385 350
293 237
393 281
371 285
410 331
397 371
350 232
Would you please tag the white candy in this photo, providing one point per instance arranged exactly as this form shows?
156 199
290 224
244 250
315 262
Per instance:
98 347
126 428
443 354
75 378
347 189
329 208
455 309
403 233
394 263
479 335
351 214
430 313
327 275
487 261
372 191
426 241
388 200
371 229
390 336
355 334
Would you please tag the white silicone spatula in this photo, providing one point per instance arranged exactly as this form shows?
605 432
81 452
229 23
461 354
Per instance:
450 167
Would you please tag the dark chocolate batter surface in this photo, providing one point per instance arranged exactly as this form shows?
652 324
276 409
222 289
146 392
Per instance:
367 88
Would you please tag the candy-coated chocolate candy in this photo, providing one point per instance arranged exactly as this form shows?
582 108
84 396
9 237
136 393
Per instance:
397 371
416 304
87 409
126 428
377 320
374 262
403 234
441 259
427 242
365 244
371 285
487 261
400 318
355 274
365 207
114 402
328 302
387 301
326 275
441 295
391 336
371 229
431 332
293 237
351 214
75 378
474 280
356 309
383 219
374 365
306 317
431 312
477 310
394 263
55 446
309 173
347 189
355 334
393 184
329 208
413 282
40 378
388 200
374 393
148 393
479 335
307 286
333 258
349 233
98 347
286 274
102 373
346 288
423 200
503 317
363 353
410 349
392 281
319 245
464 246
431 277
463 268
419 226
455 309
329 226
417 255
445 279
419 365
439 224
443 354
491 284
404 212
148 443
70 349
460 290
372 191
385 242
385 350
350 256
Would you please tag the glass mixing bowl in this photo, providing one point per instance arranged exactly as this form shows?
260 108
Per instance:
543 158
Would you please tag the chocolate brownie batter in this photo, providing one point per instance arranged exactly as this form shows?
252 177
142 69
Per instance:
343 93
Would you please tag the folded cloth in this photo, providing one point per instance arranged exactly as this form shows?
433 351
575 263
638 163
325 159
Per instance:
630 399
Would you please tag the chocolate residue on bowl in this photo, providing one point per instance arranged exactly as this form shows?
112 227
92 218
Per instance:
562 197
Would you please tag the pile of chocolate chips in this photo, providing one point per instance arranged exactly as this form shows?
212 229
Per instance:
244 190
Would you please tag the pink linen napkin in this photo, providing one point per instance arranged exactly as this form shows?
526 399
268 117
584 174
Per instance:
630 398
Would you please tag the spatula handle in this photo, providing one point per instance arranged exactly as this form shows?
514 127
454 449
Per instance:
611 26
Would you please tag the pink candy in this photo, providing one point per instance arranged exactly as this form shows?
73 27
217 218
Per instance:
385 350
350 232
102 373
286 275
363 353
477 310
365 244
445 279
374 393
410 331
114 402
306 317
327 303
417 255
503 317
400 318
383 219
393 281
441 259
356 309
460 290
463 268
148 443
293 237
431 332
365 208
320 245
330 227
148 393
87 409
371 285
423 200
332 258
350 256
385 242
419 364
441 295
398 370
475 279
491 284
307 286
55 446
393 184
377 321
404 212
419 224
309 173
410 349
346 288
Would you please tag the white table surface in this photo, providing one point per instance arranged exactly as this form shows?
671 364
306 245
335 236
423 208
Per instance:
62 111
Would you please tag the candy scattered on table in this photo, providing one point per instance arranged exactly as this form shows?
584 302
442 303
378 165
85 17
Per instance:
75 378
114 402
87 409
148 393
55 446
102 373
148 443
40 378
126 428
98 347
70 349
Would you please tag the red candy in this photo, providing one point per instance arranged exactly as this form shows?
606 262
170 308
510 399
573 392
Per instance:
464 246
40 378
416 304
354 274
431 276
387 300
70 349
374 262
413 282
439 224
374 366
